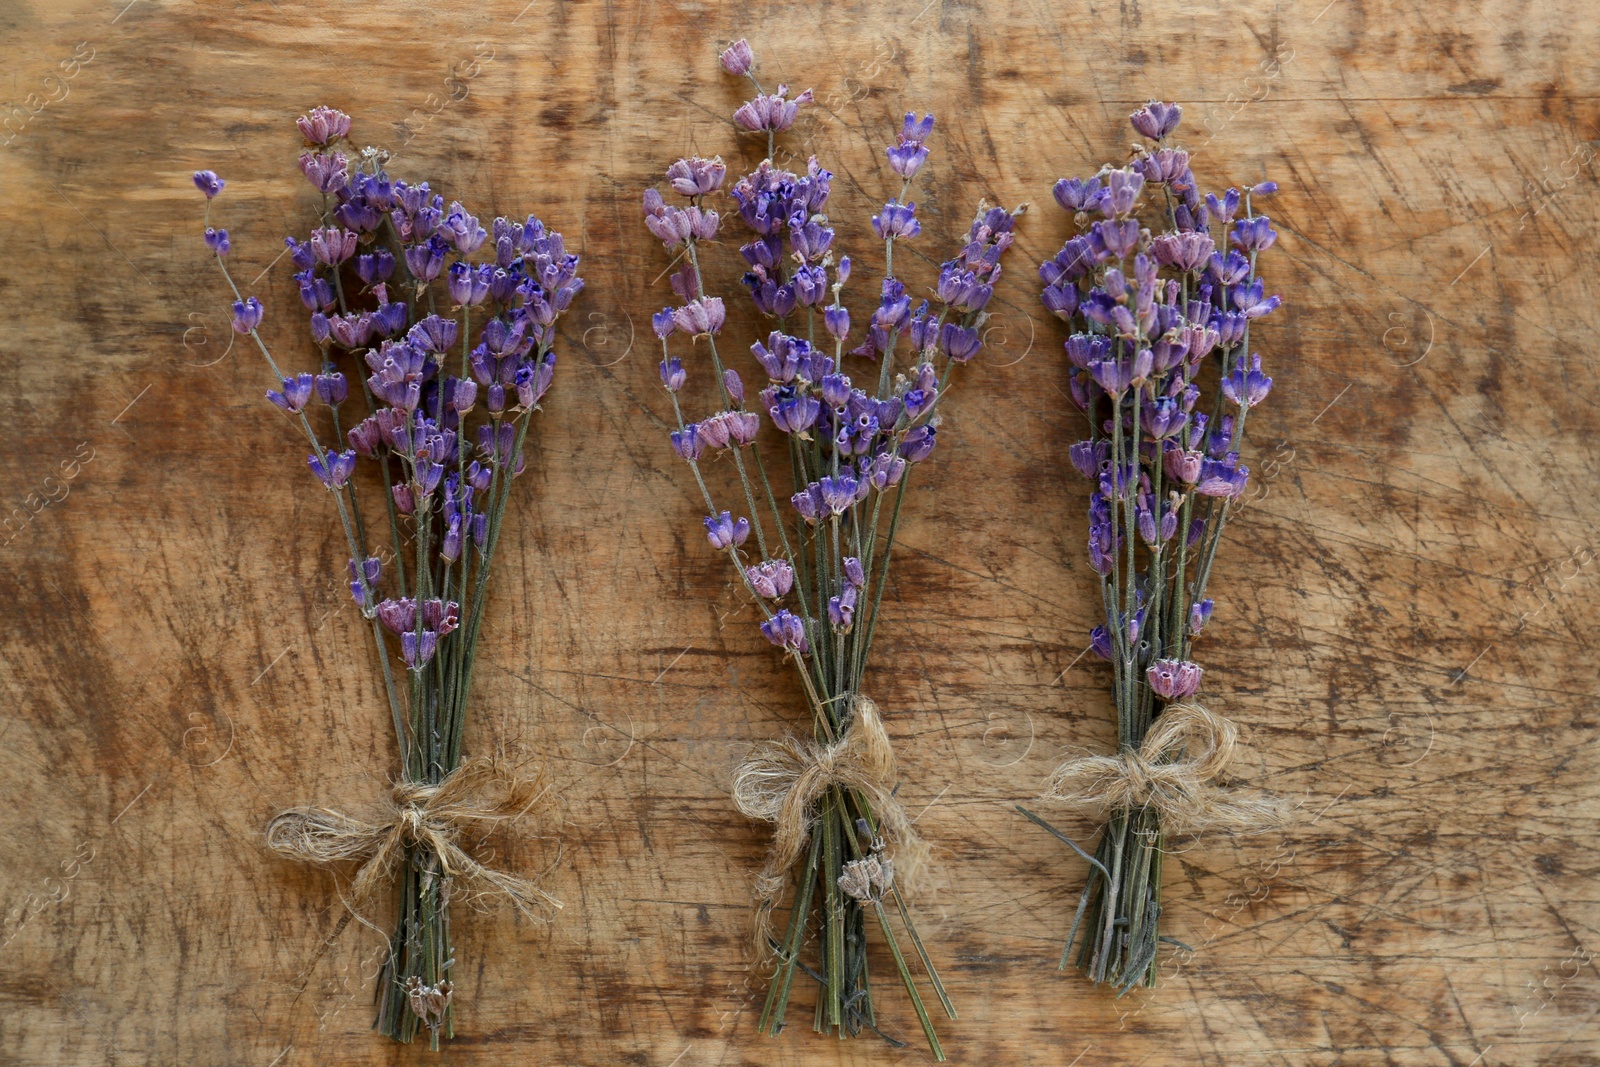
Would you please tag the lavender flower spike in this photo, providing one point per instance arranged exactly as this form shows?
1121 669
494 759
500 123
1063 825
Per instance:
208 183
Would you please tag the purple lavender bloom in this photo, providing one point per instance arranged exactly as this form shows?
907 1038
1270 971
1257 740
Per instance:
696 177
426 260
417 649
332 389
375 268
246 314
1251 301
810 286
1247 388
1183 466
1224 478
791 411
1100 642
837 322
960 343
841 610
919 443
896 220
772 578
329 173
1172 679
687 442
838 492
724 532
835 389
323 124
703 316
296 393
808 502
1087 457
738 59
335 470
217 241
1156 120
1186 251
672 374
1078 195
907 157
772 112
208 183
1122 192
662 323
1253 234
1199 615
787 631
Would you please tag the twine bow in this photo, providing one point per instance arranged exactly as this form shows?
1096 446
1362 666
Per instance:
1163 775
431 817
781 781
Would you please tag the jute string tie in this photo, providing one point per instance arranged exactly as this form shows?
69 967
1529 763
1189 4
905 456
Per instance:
781 782
430 817
1174 772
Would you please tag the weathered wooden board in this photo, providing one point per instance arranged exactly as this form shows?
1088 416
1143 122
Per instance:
1406 617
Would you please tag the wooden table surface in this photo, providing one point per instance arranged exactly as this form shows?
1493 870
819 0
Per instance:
1404 624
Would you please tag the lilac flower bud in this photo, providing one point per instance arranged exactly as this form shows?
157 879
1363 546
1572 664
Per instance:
918 444
1223 478
332 389
835 389
743 426
441 615
1254 234
896 220
771 579
296 393
335 470
838 492
1087 456
841 610
426 260
771 112
1156 120
791 411
837 322
696 177
787 631
1172 679
1122 192
672 374
703 316
246 314
319 328
1100 642
724 532
1078 195
398 616
1183 466
960 343
738 59
323 124
714 431
217 241
533 381
364 437
734 385
376 267
1247 388
1199 615
687 442
1264 189
662 323
808 502
328 173
417 649
208 183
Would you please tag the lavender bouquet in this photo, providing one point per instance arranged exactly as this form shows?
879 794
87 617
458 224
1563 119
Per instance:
1151 315
844 850
442 508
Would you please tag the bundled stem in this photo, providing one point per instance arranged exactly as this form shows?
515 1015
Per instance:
445 501
843 848
1151 314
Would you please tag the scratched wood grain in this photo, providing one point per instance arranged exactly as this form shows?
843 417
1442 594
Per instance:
1406 617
